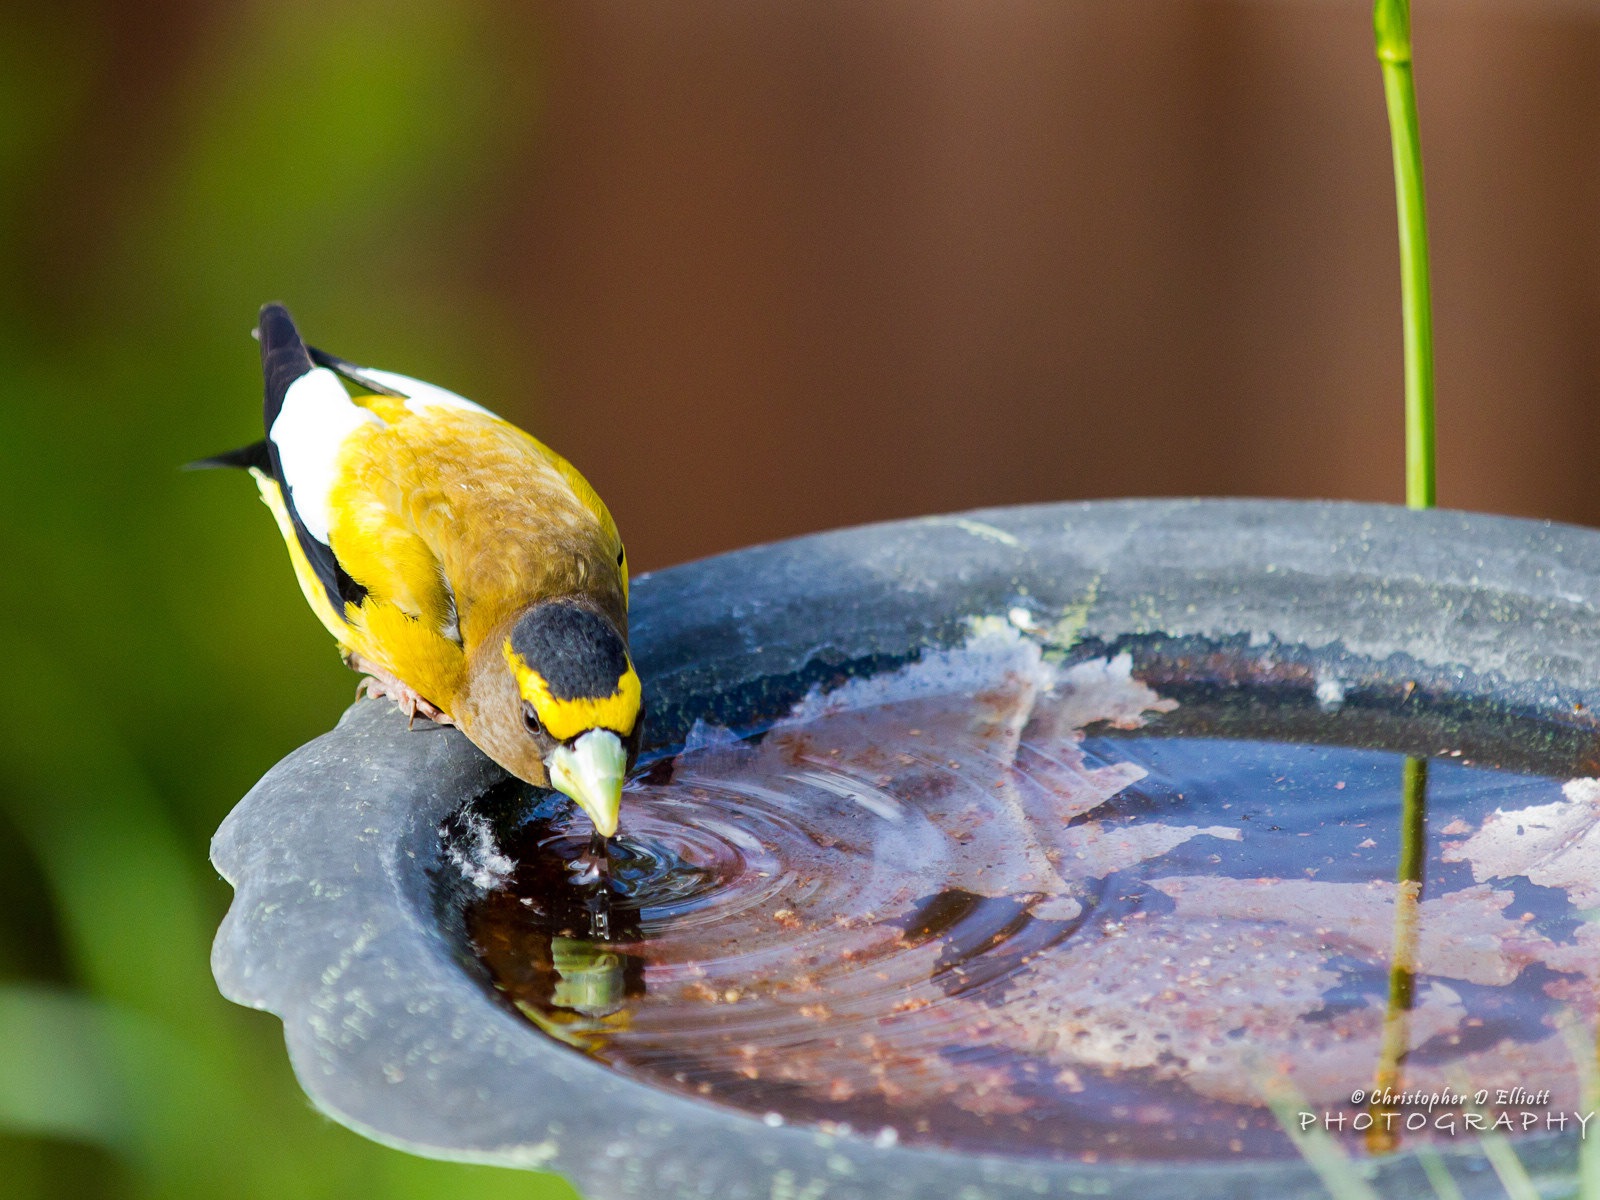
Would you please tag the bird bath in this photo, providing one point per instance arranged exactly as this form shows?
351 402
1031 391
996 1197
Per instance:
1015 853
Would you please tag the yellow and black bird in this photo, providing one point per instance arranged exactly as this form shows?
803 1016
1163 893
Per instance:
465 567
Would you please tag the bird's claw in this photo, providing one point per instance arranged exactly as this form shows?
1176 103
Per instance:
378 683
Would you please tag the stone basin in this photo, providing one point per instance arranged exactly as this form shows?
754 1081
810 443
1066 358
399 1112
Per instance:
346 857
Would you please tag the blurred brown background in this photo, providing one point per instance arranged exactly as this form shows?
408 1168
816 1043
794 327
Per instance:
767 268
788 266
758 267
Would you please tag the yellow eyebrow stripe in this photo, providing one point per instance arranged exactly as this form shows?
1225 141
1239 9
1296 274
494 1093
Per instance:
565 719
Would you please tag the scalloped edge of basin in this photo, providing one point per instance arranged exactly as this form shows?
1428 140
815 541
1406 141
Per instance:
338 927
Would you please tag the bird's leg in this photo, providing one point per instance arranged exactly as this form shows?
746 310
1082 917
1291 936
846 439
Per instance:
377 683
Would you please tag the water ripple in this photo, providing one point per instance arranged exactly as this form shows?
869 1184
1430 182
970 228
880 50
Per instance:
934 903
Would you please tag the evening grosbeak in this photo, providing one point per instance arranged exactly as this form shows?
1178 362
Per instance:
465 567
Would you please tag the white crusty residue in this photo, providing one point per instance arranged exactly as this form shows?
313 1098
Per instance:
477 856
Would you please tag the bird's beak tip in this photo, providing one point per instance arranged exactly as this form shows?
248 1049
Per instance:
604 810
591 772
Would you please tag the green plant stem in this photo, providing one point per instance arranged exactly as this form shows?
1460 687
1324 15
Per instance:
1342 1177
1507 1166
1391 21
1444 1187
1585 1050
1589 1152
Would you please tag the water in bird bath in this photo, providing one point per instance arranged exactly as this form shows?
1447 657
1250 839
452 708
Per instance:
993 901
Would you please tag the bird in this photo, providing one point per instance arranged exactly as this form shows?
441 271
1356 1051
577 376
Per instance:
465 568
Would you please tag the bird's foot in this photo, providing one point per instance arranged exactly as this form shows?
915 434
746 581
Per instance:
378 683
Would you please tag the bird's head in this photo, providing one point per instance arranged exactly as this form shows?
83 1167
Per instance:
580 707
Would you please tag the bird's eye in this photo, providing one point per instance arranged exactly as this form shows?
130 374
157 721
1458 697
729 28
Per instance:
621 554
530 718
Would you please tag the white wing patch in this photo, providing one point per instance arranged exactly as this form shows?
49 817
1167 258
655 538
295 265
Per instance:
421 396
311 428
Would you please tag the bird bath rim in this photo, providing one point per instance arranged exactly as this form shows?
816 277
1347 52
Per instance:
340 926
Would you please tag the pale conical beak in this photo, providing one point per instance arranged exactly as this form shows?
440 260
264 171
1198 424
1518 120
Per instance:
591 771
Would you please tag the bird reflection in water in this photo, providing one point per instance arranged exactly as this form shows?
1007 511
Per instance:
563 950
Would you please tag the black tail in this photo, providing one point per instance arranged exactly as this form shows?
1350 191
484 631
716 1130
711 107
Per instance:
283 360
349 370
257 455
283 356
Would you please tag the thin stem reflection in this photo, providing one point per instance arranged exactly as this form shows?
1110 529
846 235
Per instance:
1403 960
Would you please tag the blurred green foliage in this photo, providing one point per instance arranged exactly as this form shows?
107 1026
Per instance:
155 655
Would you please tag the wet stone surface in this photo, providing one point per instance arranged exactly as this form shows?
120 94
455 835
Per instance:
991 901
